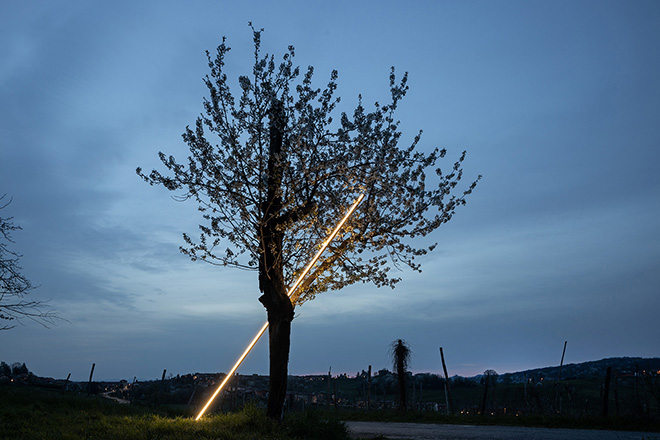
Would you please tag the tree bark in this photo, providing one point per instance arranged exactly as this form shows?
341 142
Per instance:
271 271
279 344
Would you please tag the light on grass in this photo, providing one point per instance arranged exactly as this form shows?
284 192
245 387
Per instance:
292 289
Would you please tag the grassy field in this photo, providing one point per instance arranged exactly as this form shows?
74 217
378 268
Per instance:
28 412
33 413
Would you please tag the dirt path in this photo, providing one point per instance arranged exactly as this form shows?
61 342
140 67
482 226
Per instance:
116 399
423 431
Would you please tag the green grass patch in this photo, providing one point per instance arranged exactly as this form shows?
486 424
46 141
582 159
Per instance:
33 413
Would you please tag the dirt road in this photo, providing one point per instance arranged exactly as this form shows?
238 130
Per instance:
116 399
423 431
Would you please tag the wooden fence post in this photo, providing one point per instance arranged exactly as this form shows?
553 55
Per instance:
421 395
558 396
369 390
616 392
448 399
89 385
159 397
193 394
66 382
334 396
606 392
561 364
329 395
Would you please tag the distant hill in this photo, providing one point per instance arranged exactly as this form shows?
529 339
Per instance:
624 366
593 369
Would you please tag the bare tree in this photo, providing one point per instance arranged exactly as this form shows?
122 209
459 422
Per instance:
14 286
272 173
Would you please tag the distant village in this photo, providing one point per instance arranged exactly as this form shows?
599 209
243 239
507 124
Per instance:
192 390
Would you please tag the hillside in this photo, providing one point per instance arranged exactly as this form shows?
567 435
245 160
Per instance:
624 366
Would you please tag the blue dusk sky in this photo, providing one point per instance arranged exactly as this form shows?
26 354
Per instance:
556 102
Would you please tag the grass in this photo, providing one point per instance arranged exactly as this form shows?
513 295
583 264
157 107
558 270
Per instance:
31 413
34 413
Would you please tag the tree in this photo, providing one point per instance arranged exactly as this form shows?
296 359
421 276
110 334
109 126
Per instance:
5 370
14 286
272 173
400 353
19 369
489 379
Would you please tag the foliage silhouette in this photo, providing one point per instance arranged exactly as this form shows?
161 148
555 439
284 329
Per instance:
14 286
400 353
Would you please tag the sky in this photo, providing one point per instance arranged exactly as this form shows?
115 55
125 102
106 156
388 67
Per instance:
557 104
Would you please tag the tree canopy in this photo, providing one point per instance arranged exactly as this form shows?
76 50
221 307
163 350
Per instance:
323 164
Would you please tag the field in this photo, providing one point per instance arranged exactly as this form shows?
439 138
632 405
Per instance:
28 413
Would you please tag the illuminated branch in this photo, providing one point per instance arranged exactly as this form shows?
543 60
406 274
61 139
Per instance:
292 289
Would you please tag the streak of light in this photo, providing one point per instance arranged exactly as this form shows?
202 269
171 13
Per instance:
325 244
231 372
292 289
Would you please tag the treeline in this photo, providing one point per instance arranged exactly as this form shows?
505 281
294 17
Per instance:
7 372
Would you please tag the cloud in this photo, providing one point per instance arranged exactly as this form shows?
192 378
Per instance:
557 109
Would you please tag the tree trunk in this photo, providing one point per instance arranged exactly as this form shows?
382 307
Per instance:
279 338
401 373
271 271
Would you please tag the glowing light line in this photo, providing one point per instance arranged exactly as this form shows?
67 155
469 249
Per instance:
231 372
292 289
325 244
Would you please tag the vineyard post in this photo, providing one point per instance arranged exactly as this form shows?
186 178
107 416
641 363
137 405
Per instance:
89 385
561 364
448 399
369 390
66 382
606 392
328 390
